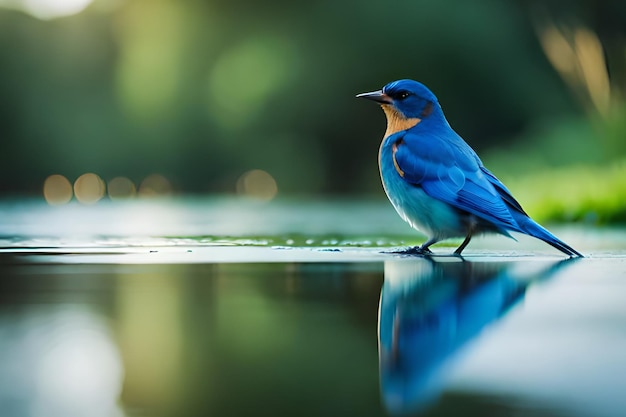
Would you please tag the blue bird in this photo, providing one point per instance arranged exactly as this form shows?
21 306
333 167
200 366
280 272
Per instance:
435 180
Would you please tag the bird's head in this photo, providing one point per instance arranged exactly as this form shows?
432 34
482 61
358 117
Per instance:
404 99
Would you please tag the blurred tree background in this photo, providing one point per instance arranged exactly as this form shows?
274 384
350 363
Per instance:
202 91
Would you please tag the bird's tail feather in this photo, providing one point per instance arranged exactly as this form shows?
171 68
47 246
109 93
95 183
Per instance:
532 228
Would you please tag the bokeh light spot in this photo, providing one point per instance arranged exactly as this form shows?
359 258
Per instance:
257 184
57 190
89 188
247 76
50 9
155 185
120 188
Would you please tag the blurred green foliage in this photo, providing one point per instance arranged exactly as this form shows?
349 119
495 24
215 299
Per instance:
202 91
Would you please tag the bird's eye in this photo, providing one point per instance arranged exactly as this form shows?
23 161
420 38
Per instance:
402 95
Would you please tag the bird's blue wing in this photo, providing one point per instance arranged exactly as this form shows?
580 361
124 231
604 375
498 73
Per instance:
503 191
447 169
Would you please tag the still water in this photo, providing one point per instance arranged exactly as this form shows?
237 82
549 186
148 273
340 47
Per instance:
98 323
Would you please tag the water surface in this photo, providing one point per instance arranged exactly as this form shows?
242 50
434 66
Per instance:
103 315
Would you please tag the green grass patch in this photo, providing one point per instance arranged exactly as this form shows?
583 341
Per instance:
591 194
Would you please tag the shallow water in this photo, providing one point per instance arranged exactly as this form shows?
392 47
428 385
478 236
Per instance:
105 311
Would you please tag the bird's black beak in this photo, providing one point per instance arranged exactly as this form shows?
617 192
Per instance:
377 96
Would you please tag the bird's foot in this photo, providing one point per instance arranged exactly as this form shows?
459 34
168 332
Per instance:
415 250
458 255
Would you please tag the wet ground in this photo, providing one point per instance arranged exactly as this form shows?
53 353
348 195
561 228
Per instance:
230 308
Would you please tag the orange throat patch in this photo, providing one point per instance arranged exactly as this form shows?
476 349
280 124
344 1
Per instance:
396 122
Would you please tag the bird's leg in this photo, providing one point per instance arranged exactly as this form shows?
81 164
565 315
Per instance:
464 244
425 245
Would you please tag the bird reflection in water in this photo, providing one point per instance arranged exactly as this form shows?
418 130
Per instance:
429 309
